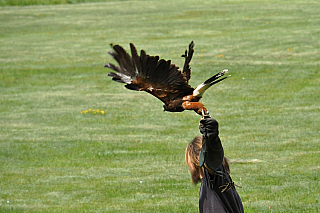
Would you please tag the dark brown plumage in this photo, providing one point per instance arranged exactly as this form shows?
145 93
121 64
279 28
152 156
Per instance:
160 78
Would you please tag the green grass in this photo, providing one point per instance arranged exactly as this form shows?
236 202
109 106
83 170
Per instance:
53 158
44 2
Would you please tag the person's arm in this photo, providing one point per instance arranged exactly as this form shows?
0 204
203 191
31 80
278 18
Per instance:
212 151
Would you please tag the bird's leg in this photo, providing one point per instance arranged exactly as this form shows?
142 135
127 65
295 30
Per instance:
203 112
196 106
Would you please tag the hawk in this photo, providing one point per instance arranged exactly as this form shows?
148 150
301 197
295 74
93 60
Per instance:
161 78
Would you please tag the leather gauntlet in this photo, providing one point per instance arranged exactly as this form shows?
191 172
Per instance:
212 151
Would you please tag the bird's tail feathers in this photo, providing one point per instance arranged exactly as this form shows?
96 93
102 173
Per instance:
199 90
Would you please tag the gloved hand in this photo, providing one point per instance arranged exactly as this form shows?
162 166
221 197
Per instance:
209 127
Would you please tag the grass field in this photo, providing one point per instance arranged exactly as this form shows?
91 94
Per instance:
53 158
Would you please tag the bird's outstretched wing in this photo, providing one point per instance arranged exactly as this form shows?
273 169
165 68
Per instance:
147 73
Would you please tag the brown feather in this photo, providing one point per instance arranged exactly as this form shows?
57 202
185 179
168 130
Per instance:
188 56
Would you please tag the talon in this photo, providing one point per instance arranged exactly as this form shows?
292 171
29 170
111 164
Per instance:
203 114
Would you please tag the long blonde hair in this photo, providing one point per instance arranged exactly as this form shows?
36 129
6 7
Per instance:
192 155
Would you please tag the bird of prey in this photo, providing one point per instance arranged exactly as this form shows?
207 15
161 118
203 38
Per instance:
161 78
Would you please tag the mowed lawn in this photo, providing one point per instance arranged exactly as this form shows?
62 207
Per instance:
71 140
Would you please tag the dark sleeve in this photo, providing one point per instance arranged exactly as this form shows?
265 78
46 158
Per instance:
212 150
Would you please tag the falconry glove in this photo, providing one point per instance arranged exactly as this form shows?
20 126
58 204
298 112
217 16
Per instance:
211 152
